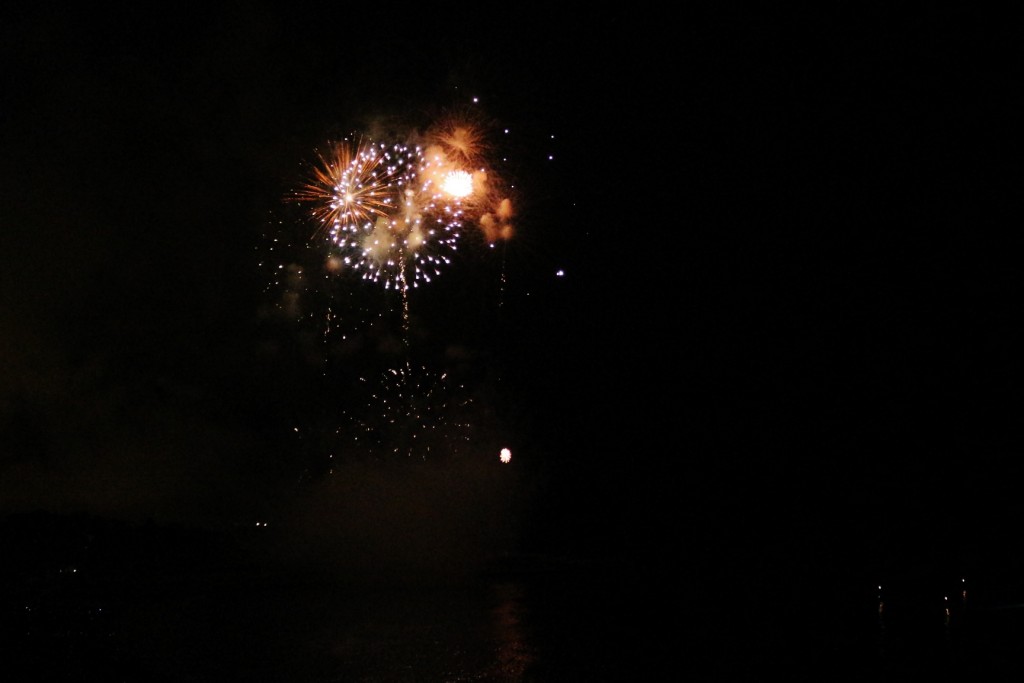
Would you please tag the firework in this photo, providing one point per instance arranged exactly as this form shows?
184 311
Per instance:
409 412
393 212
397 212
461 137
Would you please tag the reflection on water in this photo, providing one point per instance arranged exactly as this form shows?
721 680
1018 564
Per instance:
515 654
315 632
535 624
569 623
445 634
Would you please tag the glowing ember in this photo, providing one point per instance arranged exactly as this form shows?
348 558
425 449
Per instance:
506 455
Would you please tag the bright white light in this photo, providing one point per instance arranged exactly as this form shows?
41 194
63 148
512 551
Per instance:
458 184
506 455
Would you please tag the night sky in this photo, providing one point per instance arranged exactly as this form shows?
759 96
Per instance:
785 320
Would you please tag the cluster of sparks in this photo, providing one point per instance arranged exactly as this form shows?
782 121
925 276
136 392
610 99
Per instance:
409 412
396 212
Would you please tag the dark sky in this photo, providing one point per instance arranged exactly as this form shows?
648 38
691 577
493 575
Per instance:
788 302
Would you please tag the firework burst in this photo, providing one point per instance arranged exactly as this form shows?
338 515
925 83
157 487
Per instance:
393 213
462 137
397 213
409 412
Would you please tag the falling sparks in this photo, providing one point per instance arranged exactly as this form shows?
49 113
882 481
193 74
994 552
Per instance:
306 287
409 412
